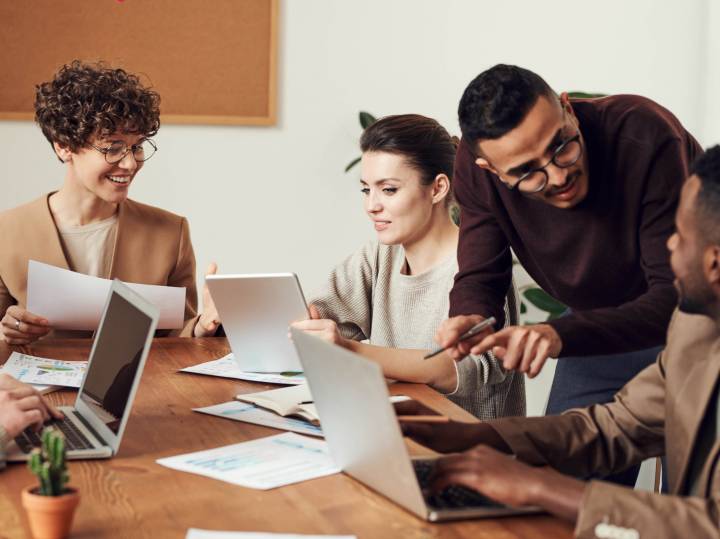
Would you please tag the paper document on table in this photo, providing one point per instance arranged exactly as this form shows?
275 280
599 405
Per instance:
249 413
195 533
44 371
262 464
71 300
227 367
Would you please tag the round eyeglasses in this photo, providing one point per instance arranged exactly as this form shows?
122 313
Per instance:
116 152
535 180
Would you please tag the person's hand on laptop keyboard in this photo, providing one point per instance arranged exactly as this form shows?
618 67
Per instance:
444 437
504 479
21 406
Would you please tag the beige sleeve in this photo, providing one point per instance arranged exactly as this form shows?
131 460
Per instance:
609 510
473 371
601 439
347 295
183 274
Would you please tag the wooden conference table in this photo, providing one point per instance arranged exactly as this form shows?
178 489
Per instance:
132 496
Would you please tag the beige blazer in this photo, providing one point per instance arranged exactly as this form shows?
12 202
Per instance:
659 411
152 246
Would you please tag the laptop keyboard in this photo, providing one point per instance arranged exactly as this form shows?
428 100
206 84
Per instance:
452 497
74 439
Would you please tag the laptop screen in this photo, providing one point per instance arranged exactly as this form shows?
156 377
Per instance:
112 369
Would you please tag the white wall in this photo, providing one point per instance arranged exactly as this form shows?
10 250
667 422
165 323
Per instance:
276 199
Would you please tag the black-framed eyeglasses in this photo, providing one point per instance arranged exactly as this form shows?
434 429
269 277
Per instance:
564 156
116 152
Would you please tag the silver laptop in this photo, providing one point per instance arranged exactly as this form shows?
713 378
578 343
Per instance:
256 311
365 439
94 426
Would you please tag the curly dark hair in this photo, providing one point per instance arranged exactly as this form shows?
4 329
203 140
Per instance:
497 100
86 100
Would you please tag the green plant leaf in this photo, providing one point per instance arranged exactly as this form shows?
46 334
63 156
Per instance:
544 301
366 119
585 95
352 163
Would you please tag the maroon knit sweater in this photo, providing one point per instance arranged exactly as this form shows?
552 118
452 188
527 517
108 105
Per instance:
605 258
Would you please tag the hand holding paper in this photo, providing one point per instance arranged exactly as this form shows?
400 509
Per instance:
71 300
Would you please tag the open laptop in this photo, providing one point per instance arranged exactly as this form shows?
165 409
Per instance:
256 310
365 439
94 426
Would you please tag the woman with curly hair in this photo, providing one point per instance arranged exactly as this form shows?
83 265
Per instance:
99 122
386 301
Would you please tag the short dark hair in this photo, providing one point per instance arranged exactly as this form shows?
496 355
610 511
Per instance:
86 100
497 100
422 141
707 205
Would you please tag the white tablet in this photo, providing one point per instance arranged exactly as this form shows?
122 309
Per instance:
256 311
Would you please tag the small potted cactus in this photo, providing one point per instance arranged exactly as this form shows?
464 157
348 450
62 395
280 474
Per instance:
51 505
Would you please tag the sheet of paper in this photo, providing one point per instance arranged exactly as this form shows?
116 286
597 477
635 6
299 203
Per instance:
227 367
261 464
71 300
44 371
195 533
249 413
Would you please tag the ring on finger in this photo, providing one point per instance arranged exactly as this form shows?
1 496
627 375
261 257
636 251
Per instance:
17 325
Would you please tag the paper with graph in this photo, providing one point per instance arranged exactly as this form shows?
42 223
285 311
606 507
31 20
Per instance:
262 464
227 367
249 413
44 371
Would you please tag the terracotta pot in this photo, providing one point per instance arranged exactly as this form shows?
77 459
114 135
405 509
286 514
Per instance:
50 516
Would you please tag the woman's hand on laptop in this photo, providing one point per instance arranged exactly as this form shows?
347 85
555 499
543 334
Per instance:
322 328
209 320
22 406
19 326
509 481
444 437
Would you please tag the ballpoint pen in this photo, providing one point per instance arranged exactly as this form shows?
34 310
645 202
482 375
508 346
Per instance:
477 328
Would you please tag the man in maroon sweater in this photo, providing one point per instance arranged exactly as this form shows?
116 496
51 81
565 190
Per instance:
584 192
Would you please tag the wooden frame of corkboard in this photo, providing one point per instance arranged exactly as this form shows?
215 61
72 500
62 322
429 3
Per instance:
211 62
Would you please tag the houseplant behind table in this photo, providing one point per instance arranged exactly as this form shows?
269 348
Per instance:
50 506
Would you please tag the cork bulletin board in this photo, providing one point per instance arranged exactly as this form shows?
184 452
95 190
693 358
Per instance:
211 61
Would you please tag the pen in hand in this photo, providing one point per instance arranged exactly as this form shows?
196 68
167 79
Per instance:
477 328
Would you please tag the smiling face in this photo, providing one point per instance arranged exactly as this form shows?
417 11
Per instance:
400 207
90 172
531 145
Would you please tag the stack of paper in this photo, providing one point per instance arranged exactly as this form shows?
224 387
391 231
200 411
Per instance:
227 367
249 413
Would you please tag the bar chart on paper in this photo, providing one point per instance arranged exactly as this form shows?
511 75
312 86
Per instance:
262 464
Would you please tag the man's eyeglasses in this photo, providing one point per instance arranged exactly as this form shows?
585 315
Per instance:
564 156
116 152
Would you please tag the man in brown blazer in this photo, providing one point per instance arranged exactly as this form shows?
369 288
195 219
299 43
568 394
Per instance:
671 408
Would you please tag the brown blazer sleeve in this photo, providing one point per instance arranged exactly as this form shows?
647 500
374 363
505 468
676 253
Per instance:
659 516
600 439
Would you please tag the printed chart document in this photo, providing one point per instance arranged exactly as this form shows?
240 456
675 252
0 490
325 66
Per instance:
261 464
194 533
43 372
227 367
249 413
71 300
